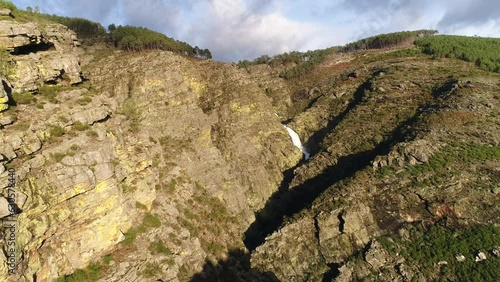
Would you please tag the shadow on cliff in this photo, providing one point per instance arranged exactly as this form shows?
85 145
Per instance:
235 268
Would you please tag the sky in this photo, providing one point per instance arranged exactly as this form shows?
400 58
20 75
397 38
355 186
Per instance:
235 30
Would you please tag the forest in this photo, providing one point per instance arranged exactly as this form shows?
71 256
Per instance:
484 52
387 40
128 38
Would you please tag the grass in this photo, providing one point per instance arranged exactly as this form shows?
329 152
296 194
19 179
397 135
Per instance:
92 133
84 101
57 156
149 221
159 247
91 273
49 92
456 152
80 126
23 98
443 244
138 205
131 111
56 131
151 270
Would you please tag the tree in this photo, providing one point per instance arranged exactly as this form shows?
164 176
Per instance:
112 28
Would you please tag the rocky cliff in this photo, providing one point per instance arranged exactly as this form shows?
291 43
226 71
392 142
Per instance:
121 166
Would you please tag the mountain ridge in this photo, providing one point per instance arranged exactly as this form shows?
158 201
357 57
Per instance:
156 165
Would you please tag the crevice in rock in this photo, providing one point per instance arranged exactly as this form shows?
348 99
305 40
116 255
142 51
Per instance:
332 273
33 48
341 222
318 239
426 203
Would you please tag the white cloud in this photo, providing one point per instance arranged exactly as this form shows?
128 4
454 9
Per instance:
245 29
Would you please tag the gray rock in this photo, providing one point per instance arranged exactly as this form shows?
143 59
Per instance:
480 256
31 143
92 115
376 255
496 251
4 98
6 13
6 119
4 207
460 258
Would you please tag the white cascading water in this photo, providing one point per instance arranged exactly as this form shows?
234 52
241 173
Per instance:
296 141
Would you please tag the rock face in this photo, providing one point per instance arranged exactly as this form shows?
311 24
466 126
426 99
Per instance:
6 13
4 98
154 135
409 153
159 165
42 54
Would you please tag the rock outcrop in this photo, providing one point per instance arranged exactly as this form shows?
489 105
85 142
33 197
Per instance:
4 97
42 54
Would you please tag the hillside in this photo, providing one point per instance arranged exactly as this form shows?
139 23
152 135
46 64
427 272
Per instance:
124 162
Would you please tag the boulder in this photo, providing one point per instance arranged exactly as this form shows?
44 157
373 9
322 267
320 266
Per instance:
4 207
53 67
6 13
4 98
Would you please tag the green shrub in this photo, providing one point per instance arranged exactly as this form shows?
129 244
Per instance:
159 248
481 51
7 5
23 98
57 156
84 101
92 133
5 62
443 244
130 236
151 270
91 273
56 131
107 259
151 220
130 110
80 126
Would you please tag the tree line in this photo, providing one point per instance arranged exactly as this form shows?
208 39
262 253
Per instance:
303 62
131 38
128 38
387 40
484 52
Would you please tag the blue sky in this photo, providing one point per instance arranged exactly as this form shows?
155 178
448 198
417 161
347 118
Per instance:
244 29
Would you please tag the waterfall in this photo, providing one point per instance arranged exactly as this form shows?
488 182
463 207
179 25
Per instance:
296 141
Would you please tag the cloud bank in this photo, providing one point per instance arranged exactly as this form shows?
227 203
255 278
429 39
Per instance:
244 29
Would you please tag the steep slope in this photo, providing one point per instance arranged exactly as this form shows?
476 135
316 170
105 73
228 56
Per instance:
138 166
169 156
409 142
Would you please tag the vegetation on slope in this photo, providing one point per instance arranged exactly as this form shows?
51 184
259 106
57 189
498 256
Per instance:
128 38
484 52
387 40
438 250
303 62
131 38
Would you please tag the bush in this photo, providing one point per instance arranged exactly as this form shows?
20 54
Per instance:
159 248
481 51
56 131
80 126
7 5
91 273
23 98
442 244
5 62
